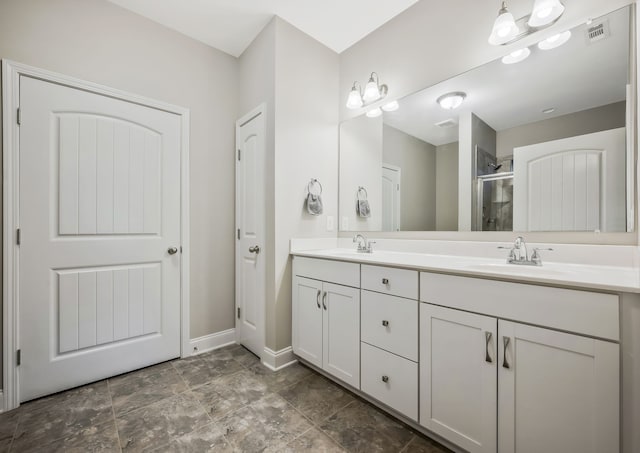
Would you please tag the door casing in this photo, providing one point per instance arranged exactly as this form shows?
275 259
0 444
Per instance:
11 72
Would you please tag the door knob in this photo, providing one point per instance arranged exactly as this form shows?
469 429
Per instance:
255 249
172 250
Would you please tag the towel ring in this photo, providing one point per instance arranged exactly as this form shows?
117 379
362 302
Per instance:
362 189
313 184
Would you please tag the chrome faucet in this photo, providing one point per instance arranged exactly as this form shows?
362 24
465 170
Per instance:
364 246
518 254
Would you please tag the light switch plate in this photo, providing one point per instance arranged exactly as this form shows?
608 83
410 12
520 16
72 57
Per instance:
345 224
329 223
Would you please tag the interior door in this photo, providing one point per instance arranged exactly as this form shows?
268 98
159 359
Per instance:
558 392
250 220
100 237
572 184
458 377
390 198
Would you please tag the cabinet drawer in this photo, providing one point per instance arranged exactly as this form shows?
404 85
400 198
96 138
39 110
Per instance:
389 280
339 272
390 379
390 323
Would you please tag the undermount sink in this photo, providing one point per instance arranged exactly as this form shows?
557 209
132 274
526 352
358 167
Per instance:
516 269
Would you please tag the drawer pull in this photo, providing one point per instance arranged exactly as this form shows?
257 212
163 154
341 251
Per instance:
487 339
385 379
324 300
385 323
318 298
505 364
385 281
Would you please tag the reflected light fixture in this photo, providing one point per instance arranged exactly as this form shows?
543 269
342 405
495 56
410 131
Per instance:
451 101
555 41
373 92
506 29
391 106
374 113
517 56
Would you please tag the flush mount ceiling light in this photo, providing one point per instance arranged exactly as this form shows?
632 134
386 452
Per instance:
373 92
517 56
391 106
451 101
374 113
555 41
507 29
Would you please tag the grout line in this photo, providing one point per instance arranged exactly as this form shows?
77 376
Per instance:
404 449
15 430
113 412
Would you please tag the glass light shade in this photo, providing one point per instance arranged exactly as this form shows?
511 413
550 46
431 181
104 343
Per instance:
451 101
504 29
545 12
517 56
555 41
354 101
371 91
374 113
391 106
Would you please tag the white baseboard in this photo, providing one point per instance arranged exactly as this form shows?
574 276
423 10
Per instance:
211 342
277 360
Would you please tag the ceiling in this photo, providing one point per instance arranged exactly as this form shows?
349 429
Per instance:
231 25
574 77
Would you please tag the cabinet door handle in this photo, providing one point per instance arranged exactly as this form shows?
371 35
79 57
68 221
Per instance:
505 363
385 379
324 300
487 339
385 323
318 298
385 281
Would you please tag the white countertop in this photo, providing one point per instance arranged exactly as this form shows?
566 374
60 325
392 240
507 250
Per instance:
588 276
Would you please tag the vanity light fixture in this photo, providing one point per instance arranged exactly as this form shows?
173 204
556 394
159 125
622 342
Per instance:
373 92
506 29
391 106
555 41
374 113
451 101
517 56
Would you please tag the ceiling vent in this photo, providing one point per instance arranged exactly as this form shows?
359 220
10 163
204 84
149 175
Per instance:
598 31
447 123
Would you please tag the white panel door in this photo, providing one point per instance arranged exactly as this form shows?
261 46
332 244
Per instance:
573 184
558 392
307 319
250 224
458 377
390 198
341 332
99 211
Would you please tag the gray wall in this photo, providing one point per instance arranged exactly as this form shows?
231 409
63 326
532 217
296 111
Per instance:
97 41
598 119
447 187
417 160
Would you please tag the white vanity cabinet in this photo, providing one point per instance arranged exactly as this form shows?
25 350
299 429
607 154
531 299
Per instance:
556 391
326 317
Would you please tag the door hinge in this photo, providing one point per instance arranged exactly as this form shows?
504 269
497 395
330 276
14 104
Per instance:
238 312
18 116
238 233
18 236
239 153
18 357
398 187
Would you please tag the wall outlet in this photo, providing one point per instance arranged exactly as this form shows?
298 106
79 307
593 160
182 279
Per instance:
345 224
329 223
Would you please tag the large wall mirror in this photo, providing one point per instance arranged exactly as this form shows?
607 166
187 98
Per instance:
541 144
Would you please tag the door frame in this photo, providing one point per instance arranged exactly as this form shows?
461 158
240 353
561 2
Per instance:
261 111
11 72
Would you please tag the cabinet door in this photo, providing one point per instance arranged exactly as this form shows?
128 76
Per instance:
558 392
458 376
342 332
307 320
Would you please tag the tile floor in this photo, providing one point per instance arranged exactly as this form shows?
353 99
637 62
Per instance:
222 401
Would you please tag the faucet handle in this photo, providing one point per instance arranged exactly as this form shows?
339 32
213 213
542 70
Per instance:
370 246
535 256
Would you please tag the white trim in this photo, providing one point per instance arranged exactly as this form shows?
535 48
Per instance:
277 360
1 402
11 72
212 341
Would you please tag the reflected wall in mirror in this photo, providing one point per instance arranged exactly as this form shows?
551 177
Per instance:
538 145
